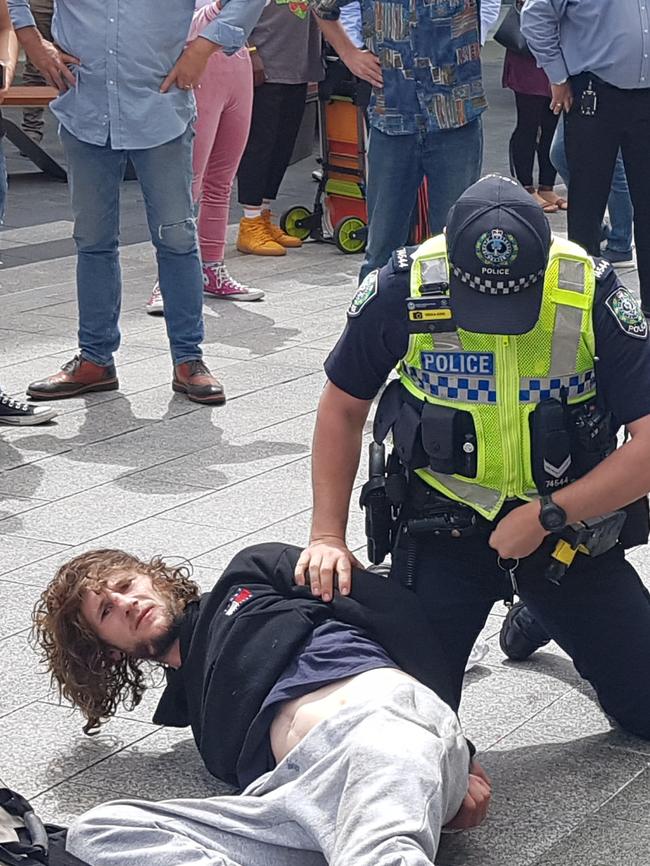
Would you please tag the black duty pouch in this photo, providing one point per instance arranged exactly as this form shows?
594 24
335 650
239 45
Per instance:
550 447
388 409
449 440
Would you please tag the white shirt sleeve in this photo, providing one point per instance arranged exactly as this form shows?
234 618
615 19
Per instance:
489 13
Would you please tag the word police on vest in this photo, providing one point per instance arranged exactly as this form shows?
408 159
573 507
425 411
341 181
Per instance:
462 363
498 242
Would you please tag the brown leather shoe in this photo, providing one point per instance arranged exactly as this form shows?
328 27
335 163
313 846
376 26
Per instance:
194 379
78 376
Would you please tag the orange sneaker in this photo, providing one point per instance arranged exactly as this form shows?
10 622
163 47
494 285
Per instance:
255 238
277 234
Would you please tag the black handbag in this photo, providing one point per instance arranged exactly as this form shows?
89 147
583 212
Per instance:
509 33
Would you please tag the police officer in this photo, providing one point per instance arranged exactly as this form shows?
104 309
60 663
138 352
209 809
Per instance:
518 358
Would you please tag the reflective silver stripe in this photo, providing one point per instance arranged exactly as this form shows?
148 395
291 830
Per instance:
545 388
469 389
571 276
568 319
434 270
473 494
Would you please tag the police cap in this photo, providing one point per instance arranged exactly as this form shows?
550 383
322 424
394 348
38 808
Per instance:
498 242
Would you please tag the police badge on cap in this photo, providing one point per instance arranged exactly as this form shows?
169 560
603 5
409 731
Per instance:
498 241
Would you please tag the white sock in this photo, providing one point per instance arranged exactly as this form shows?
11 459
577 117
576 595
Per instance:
252 212
217 264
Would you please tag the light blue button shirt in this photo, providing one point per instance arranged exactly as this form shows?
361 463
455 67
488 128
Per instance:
607 37
127 48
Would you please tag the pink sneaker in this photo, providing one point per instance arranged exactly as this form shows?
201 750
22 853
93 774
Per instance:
155 305
218 283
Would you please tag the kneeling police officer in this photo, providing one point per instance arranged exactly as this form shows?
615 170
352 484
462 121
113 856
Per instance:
518 359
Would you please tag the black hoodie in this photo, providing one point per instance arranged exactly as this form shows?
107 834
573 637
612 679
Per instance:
238 639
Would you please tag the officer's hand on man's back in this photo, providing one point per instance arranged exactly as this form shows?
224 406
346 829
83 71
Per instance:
324 565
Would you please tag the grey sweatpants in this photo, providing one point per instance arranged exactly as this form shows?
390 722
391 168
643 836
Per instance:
372 785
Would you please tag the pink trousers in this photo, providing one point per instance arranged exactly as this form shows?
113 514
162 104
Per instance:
224 101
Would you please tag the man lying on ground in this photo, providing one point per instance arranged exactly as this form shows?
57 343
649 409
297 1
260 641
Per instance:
335 718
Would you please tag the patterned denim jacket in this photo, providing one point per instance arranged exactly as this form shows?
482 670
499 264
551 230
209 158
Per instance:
429 52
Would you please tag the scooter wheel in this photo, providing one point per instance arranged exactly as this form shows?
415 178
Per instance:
295 222
350 235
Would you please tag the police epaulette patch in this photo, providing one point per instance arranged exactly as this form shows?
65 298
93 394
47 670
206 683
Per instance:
401 259
628 314
365 293
602 268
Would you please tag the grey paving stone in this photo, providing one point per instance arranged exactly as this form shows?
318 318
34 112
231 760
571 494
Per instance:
66 801
56 477
601 843
541 793
92 513
166 764
631 803
16 504
22 681
16 606
16 552
43 744
253 503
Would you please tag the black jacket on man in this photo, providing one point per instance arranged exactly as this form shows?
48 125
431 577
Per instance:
238 639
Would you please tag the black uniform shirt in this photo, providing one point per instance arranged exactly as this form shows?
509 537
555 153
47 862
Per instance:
376 338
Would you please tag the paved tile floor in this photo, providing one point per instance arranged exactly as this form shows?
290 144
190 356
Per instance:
146 470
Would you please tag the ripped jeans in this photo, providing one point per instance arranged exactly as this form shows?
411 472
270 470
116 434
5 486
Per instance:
165 176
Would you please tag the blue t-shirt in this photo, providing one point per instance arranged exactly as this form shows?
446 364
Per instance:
333 652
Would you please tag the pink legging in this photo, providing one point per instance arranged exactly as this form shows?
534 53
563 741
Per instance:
224 101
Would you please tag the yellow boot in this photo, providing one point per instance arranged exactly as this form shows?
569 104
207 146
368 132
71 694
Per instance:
277 234
255 238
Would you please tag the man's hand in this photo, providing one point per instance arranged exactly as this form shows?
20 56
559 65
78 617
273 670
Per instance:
561 98
364 64
474 808
190 66
50 61
259 75
325 562
519 533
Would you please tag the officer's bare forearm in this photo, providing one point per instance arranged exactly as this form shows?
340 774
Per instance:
620 479
337 447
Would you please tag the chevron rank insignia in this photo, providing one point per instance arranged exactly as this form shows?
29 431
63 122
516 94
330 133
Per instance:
625 308
365 293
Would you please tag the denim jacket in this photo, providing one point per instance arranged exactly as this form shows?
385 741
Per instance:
429 52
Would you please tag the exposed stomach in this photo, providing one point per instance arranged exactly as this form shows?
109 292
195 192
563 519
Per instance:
294 719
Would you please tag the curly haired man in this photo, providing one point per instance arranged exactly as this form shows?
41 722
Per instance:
335 718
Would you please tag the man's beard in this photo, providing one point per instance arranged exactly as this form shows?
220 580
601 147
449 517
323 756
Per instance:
156 648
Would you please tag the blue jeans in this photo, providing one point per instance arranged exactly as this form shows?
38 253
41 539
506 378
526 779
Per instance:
3 183
165 176
450 160
619 204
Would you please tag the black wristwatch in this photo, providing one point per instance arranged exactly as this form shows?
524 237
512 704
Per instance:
551 515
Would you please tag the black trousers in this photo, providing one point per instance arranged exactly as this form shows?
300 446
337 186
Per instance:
599 614
533 135
278 110
622 119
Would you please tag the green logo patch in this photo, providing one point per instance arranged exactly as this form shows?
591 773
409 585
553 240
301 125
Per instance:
365 293
497 248
627 312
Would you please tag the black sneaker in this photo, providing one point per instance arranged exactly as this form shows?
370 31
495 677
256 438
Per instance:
521 634
23 414
619 260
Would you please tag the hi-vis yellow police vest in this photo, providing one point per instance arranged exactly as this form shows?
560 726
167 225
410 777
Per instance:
499 379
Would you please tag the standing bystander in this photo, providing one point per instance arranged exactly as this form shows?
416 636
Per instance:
424 64
597 56
33 123
129 96
13 412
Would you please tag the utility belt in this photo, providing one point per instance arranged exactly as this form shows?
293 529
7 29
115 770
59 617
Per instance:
401 508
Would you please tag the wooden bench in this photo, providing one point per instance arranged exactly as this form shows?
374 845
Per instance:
22 96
